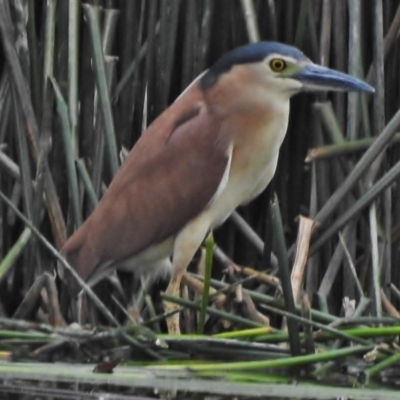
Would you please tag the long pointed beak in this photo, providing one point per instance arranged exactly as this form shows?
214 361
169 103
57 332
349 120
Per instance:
315 77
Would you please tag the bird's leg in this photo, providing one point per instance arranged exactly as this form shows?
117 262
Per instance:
173 289
185 246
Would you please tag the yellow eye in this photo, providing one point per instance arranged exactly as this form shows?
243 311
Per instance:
277 64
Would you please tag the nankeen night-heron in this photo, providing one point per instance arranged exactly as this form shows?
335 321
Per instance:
215 148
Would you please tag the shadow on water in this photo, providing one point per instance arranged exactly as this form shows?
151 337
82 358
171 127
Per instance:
11 389
18 391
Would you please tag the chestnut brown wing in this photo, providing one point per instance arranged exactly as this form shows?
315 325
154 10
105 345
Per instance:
168 178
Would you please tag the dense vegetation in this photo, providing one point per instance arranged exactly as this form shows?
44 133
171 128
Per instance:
80 81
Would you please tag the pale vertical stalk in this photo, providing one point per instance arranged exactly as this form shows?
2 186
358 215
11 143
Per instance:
49 44
326 33
339 55
379 97
272 22
109 29
354 61
375 260
251 21
387 260
33 57
379 123
73 54
299 265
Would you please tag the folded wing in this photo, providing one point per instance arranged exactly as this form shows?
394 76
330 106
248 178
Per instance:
168 178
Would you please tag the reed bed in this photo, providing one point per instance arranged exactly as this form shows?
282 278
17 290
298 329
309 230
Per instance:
302 284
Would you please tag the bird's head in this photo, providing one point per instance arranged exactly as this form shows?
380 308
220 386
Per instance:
282 69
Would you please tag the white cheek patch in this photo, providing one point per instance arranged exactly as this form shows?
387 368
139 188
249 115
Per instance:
293 84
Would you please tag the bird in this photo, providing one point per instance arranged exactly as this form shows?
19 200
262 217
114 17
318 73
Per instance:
213 149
